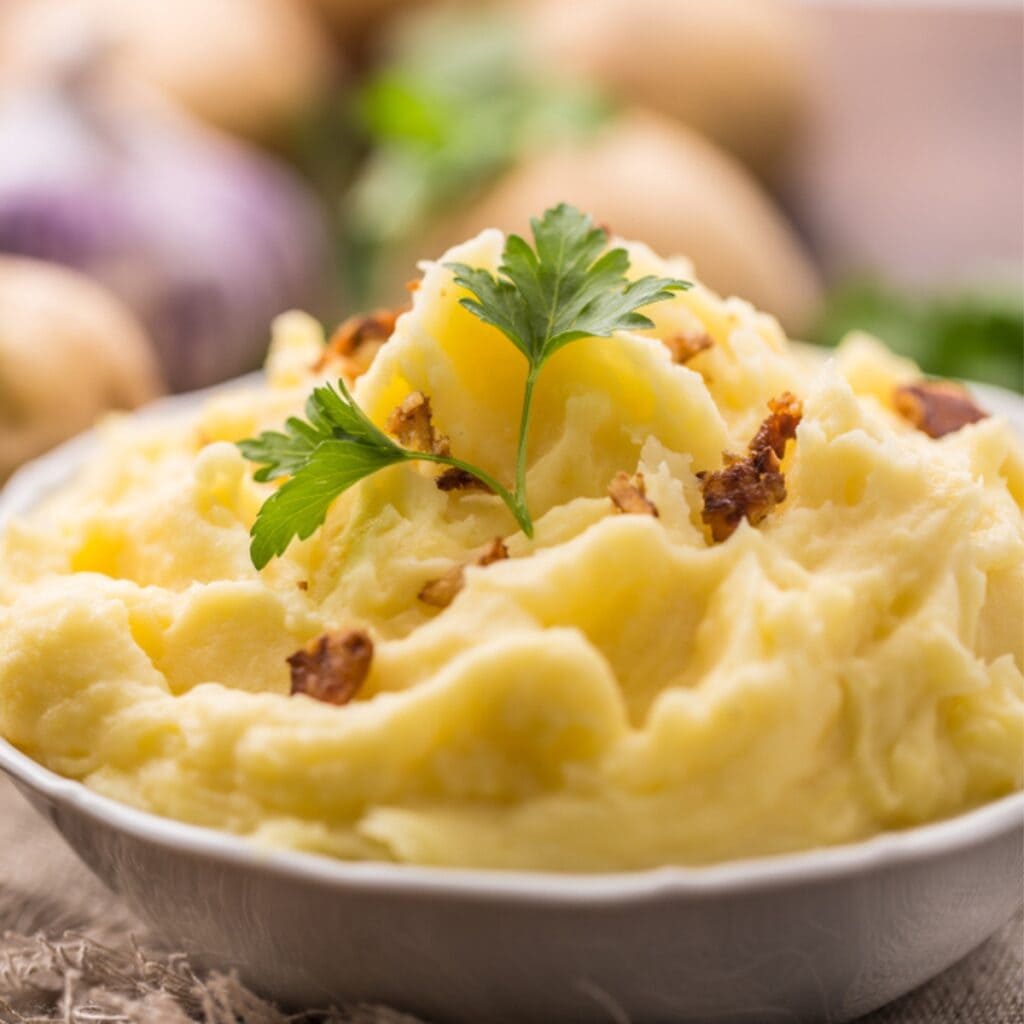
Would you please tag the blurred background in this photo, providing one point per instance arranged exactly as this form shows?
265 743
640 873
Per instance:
172 175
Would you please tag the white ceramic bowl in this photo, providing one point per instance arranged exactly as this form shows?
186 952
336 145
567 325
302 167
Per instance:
825 935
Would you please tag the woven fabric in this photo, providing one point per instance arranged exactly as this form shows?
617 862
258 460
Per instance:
69 953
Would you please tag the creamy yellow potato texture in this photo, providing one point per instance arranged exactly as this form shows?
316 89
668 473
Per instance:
622 691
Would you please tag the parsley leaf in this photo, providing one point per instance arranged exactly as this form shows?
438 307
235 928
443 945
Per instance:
331 416
301 505
563 289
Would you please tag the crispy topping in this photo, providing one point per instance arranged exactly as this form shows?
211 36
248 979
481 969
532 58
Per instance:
780 426
747 488
412 424
750 487
455 479
496 551
936 407
358 330
332 667
441 592
358 340
303 584
685 345
629 494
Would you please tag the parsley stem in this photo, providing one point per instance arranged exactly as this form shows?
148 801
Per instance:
522 518
522 513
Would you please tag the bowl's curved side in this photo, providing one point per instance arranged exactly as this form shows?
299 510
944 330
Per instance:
831 947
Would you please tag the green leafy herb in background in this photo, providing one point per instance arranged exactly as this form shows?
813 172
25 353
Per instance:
456 105
973 335
565 288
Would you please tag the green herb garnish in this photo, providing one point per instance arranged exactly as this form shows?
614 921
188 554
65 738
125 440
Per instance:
336 446
563 289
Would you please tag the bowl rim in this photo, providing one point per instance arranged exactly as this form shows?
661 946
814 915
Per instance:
914 844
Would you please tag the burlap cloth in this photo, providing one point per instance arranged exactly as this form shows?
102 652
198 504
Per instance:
70 953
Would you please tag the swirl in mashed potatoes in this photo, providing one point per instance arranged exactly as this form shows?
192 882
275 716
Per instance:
621 691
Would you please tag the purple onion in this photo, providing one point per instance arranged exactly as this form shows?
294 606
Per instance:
205 239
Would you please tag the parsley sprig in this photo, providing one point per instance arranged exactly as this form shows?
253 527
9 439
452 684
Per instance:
565 288
336 446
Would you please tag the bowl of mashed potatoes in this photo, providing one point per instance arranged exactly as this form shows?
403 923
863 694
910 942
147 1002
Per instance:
755 671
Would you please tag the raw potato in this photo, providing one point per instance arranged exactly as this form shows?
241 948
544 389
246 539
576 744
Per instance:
650 178
68 352
737 70
251 67
353 20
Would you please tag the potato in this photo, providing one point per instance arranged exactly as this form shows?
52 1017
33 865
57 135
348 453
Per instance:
649 177
68 352
736 70
354 20
251 67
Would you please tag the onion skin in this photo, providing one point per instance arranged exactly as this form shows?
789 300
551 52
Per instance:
205 240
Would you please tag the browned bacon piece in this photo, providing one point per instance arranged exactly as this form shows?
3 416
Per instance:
332 667
356 342
441 592
686 344
629 494
936 407
780 426
413 426
455 479
750 487
747 488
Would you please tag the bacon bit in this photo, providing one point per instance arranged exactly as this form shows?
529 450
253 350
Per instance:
751 487
936 407
332 667
629 494
780 426
747 488
412 424
358 330
455 479
685 345
496 551
441 592
358 340
412 285
303 584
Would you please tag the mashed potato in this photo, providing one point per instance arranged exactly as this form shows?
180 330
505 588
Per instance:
620 692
